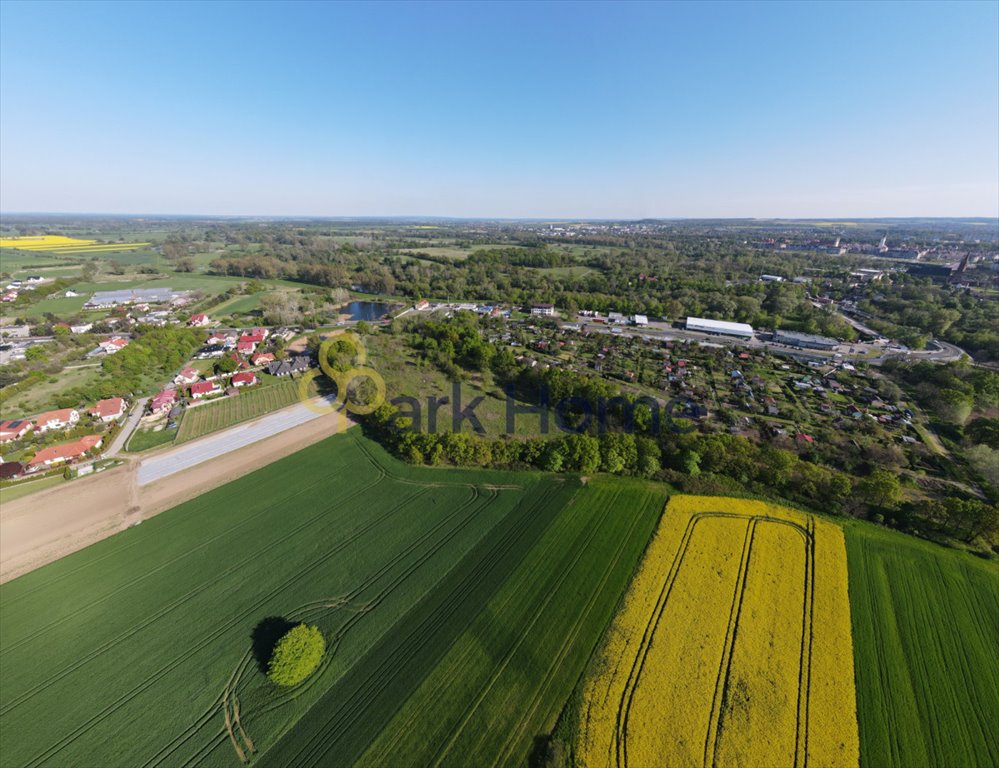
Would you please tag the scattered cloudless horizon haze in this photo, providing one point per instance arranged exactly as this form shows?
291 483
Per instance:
505 110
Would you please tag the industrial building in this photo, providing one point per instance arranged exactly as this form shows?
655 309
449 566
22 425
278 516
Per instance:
721 327
805 340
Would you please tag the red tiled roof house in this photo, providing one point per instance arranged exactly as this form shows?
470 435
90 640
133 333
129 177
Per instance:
108 410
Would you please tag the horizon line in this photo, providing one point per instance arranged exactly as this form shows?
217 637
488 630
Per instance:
440 217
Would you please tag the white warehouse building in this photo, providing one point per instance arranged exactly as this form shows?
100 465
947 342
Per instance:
702 324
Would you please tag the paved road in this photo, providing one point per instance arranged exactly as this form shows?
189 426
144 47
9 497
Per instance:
212 446
128 428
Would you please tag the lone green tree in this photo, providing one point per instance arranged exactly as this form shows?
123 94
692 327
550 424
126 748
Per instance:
296 655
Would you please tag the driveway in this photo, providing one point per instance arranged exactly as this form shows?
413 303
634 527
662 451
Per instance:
128 428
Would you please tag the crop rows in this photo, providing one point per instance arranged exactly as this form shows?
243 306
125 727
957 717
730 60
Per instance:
352 713
229 411
925 627
510 672
121 611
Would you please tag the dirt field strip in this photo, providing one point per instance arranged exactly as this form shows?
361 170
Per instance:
50 524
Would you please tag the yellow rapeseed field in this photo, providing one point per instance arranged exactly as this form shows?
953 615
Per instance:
59 244
713 661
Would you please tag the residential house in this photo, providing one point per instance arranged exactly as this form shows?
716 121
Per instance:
199 320
14 429
295 364
421 305
57 454
256 336
244 379
64 418
186 376
114 344
205 389
543 310
263 358
245 347
163 401
108 410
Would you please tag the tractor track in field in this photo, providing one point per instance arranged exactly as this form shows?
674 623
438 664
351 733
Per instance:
619 743
111 708
376 681
725 666
428 626
333 603
152 618
571 638
400 479
587 536
464 656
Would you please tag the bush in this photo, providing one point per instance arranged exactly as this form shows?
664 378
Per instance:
296 655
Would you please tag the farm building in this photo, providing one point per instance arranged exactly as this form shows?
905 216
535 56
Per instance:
14 429
721 327
64 418
805 340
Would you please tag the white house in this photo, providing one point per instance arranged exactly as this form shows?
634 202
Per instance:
64 418
543 310
114 344
186 376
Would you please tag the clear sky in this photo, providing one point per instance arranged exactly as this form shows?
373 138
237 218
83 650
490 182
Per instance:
506 110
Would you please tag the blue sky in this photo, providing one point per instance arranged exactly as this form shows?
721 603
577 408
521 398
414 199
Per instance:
508 110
